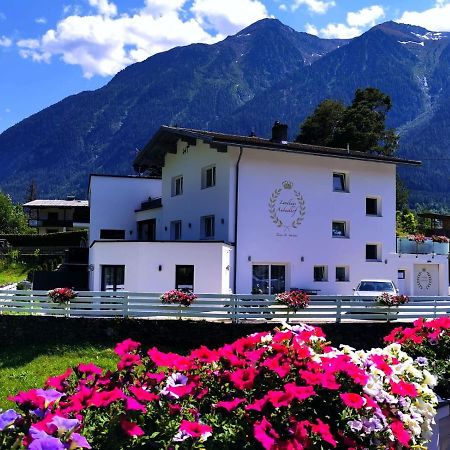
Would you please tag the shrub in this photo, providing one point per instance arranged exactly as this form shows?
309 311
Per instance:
61 295
440 239
175 297
294 300
429 343
286 389
387 299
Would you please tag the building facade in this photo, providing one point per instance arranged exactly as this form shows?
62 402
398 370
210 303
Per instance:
250 215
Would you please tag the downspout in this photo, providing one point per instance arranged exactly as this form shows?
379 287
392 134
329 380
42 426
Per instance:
236 199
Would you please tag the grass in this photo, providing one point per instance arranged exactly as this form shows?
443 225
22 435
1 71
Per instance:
12 273
26 367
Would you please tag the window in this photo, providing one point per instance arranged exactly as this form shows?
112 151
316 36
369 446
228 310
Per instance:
373 206
342 273
208 177
52 216
175 230
207 227
113 278
373 252
112 234
339 229
177 186
268 279
401 274
184 278
320 273
147 230
340 182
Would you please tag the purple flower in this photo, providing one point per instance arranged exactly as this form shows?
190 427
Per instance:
79 441
49 395
47 443
63 424
355 425
372 424
8 418
422 361
174 380
36 433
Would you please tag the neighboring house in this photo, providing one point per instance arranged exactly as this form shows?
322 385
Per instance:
54 216
245 214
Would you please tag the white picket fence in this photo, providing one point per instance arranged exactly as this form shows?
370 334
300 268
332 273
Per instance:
219 307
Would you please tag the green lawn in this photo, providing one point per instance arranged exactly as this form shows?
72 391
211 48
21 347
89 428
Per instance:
23 368
12 274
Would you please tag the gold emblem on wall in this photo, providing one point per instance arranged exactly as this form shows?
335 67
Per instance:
287 209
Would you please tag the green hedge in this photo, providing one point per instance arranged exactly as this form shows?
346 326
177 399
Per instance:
68 238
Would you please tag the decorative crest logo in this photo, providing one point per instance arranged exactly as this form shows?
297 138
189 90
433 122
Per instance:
287 208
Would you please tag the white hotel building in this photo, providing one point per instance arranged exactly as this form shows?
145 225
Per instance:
241 214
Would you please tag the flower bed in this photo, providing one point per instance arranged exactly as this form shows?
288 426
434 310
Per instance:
387 299
429 343
61 295
176 297
294 300
286 389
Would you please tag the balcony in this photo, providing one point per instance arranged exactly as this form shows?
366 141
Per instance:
50 223
405 245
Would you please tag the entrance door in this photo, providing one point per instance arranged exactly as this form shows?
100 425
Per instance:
426 279
113 278
401 281
268 278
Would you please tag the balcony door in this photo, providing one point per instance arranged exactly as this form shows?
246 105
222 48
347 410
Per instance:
147 230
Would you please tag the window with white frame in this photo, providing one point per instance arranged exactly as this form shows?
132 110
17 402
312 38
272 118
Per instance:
340 182
340 228
175 230
373 252
208 177
320 273
177 185
342 273
373 206
268 278
207 230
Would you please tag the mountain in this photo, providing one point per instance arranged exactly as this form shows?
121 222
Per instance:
265 72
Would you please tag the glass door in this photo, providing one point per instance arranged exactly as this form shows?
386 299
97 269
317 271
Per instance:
113 278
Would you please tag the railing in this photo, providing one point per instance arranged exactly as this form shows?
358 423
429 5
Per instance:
222 307
404 245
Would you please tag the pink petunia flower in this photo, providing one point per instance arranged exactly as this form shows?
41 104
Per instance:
196 429
353 400
130 428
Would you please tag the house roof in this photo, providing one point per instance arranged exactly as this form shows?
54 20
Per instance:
57 204
166 138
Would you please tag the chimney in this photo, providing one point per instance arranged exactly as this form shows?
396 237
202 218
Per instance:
279 132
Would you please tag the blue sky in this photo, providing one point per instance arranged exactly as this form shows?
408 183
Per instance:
50 49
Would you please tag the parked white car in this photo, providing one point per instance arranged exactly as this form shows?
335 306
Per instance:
374 288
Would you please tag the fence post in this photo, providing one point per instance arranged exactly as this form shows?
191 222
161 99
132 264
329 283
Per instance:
234 310
435 308
125 303
338 309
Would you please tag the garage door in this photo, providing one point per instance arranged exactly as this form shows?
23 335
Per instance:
426 279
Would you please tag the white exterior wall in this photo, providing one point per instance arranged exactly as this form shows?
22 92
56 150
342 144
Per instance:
212 271
261 241
113 201
196 202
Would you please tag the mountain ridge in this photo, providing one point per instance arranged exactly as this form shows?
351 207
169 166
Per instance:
265 72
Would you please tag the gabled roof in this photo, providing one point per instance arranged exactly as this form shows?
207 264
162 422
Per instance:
57 204
166 138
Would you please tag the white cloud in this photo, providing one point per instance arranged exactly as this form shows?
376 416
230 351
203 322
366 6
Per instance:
311 29
104 42
365 16
7 110
104 7
282 7
433 19
41 20
356 23
339 31
315 6
5 41
230 16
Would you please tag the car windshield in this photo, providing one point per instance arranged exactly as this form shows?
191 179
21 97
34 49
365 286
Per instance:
375 286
